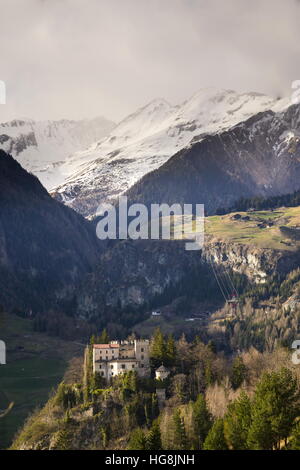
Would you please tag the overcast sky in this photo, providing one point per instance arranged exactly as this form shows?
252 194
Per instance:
84 58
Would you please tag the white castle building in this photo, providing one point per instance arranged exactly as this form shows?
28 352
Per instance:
118 357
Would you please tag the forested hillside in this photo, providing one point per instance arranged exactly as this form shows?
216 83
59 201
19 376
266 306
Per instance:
248 401
44 246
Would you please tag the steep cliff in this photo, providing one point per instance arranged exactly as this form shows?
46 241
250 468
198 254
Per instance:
133 275
257 264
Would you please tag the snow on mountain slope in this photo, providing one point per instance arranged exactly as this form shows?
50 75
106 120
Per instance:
149 137
256 157
45 147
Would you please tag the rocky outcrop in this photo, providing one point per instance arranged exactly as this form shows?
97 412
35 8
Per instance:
257 264
132 274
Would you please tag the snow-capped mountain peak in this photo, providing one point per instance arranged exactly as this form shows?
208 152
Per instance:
44 147
140 124
148 137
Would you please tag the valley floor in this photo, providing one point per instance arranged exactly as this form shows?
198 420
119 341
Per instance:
35 365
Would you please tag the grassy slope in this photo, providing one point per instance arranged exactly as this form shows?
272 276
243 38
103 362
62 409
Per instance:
247 232
35 365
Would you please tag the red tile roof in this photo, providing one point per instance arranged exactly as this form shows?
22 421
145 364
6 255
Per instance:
106 346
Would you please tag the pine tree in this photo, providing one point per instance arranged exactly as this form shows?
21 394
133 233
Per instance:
130 381
60 395
137 440
202 420
97 381
209 378
153 440
170 352
237 422
295 437
158 350
239 373
179 434
148 412
260 435
154 405
103 338
87 373
92 340
215 439
275 407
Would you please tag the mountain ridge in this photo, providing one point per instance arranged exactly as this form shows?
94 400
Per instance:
257 157
49 148
146 139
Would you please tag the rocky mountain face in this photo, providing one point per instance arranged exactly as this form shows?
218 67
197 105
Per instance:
260 156
146 139
133 275
257 264
49 149
45 247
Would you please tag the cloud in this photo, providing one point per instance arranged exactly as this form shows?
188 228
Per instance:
78 58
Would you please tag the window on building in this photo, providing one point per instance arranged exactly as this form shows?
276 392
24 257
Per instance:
142 349
142 356
106 357
133 366
142 365
102 373
112 366
123 366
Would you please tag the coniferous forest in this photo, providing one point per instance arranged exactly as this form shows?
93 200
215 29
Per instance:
212 402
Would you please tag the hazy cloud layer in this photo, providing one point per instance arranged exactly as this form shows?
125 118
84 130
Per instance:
82 58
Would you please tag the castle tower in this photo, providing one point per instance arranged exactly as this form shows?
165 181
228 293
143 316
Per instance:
141 349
